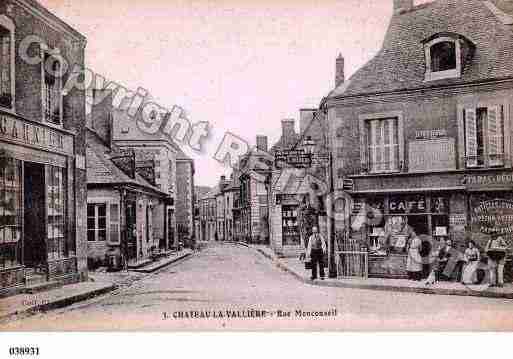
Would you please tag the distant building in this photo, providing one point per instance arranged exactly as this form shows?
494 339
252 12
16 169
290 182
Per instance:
208 215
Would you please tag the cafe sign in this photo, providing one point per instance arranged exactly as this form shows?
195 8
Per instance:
34 135
494 216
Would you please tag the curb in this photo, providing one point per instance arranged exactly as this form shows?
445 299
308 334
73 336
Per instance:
162 265
58 303
425 290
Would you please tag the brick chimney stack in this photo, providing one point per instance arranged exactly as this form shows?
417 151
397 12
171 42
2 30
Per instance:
339 70
261 143
402 6
101 116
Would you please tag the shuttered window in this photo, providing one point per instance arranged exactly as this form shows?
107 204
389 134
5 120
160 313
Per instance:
6 68
382 145
484 136
114 223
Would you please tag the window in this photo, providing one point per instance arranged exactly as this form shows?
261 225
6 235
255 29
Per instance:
96 222
339 132
444 57
52 88
340 152
10 212
484 136
6 63
382 145
56 213
340 173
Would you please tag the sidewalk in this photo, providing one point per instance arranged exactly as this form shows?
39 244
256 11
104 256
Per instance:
297 269
22 305
151 266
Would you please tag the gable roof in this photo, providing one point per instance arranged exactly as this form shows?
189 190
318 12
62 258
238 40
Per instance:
400 64
212 193
101 170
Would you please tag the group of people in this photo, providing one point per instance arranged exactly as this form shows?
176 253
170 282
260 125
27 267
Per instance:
442 263
448 263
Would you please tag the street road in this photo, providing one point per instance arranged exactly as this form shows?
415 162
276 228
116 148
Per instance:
227 277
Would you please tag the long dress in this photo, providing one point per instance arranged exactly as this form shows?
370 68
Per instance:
469 271
414 261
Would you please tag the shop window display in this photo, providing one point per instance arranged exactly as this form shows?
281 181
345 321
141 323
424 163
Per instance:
10 213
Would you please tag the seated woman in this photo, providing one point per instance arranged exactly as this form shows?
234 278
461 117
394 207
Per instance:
472 258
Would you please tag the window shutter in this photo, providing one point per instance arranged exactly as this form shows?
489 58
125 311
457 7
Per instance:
495 137
470 137
114 223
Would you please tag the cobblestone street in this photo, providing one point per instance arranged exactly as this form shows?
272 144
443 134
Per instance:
227 277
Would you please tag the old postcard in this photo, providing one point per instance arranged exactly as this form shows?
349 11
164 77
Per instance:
244 165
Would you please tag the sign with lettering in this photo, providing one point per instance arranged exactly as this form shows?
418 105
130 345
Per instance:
432 155
494 216
488 180
407 204
34 135
430 134
296 158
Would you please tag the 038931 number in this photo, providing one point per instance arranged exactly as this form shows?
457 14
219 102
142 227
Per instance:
24 351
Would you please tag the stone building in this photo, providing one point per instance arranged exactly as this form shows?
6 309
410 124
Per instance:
125 210
254 170
208 215
42 151
424 130
184 196
173 170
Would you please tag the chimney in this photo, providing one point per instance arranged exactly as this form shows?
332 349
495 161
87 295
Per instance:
401 6
287 132
306 116
101 116
339 70
261 143
222 183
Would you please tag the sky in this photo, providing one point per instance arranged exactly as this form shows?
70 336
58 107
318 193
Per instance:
242 65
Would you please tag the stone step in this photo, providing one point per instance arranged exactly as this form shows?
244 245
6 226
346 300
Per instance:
41 287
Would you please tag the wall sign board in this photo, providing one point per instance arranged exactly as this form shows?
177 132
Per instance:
432 155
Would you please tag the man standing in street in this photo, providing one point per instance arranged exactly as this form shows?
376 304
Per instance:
315 252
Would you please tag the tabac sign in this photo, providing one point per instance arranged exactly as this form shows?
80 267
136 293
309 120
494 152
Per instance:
494 216
34 135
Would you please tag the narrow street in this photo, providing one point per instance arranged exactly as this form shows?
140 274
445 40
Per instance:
229 277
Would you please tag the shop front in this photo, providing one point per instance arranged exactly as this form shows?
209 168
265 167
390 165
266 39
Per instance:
392 220
37 236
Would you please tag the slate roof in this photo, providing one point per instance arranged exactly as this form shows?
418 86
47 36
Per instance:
101 170
400 64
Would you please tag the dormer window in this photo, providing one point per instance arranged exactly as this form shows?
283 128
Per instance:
447 55
443 56
443 59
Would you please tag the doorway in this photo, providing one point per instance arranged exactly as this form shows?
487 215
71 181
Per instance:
131 230
35 253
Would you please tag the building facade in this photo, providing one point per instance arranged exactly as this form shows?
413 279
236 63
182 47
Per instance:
42 151
208 215
254 170
126 223
424 131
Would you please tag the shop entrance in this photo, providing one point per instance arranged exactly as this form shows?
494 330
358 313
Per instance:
35 253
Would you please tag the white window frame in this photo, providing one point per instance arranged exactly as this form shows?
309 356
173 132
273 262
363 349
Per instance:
447 74
502 111
96 217
7 23
109 221
56 54
363 120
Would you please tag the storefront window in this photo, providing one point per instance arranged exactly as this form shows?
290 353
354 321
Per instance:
10 213
290 227
56 213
